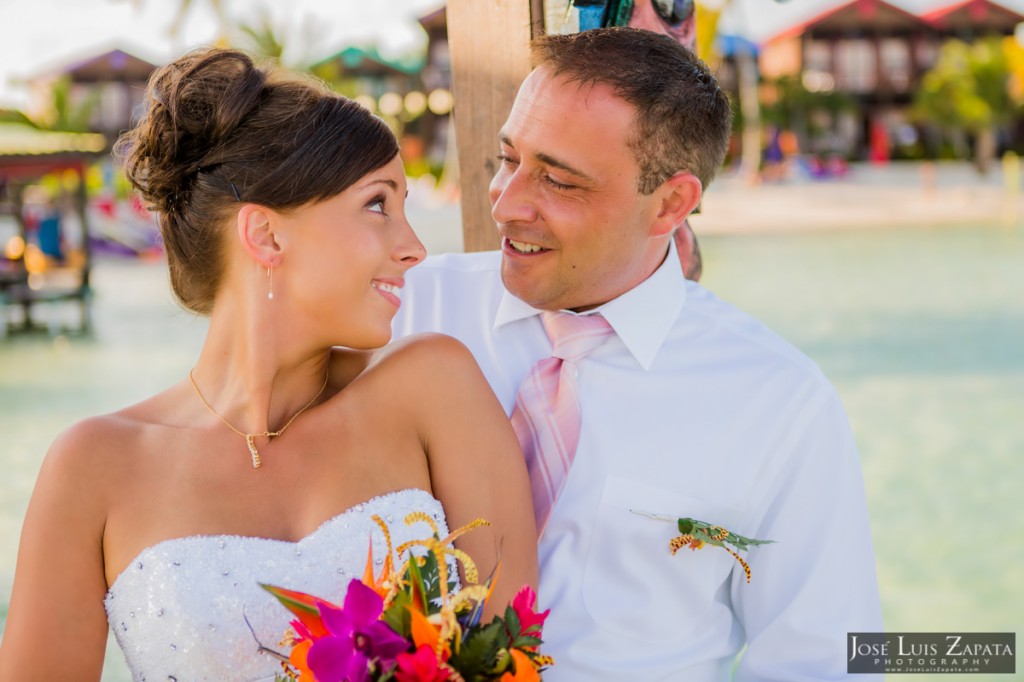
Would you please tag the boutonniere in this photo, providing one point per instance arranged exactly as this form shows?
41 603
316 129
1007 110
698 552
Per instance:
695 534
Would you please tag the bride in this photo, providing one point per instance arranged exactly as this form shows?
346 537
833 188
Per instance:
281 206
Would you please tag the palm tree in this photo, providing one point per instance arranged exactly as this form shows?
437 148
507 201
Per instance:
64 114
971 88
264 39
185 6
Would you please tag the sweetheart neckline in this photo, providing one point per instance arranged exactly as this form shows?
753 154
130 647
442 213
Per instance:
229 536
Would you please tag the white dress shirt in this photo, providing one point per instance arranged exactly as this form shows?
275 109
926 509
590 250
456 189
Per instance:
693 409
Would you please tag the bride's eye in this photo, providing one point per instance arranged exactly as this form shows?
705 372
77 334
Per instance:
376 205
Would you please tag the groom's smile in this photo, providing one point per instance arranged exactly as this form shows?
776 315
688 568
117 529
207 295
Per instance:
524 248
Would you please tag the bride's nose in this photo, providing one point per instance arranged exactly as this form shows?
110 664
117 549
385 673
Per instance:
410 250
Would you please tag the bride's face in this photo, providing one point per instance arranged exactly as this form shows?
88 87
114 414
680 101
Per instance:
348 257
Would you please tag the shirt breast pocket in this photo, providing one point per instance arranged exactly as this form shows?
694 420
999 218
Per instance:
633 586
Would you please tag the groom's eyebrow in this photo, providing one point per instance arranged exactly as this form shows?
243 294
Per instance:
555 163
549 160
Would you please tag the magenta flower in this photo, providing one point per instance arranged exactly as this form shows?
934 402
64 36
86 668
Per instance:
524 604
356 638
420 666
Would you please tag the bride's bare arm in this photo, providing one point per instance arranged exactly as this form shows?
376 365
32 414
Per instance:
56 626
476 465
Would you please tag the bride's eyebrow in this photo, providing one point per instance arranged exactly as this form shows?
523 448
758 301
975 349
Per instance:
383 181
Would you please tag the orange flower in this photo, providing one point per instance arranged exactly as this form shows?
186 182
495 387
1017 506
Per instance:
383 583
426 633
525 672
297 658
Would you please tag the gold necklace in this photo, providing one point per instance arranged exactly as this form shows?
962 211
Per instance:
250 437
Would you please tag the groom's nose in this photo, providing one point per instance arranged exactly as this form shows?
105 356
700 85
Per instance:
510 196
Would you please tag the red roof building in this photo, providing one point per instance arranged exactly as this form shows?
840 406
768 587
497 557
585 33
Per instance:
875 53
971 18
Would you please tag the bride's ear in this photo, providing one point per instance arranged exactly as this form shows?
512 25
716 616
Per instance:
257 232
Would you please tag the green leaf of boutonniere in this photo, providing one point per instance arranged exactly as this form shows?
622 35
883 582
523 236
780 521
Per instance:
696 534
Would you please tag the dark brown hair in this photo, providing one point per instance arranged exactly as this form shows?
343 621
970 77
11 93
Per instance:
682 117
219 130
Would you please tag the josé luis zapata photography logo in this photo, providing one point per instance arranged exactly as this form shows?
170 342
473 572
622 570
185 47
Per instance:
931 652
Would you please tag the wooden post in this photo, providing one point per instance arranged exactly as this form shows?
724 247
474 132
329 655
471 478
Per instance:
85 286
490 53
17 194
82 210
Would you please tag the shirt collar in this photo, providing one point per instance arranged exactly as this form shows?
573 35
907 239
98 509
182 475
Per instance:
642 317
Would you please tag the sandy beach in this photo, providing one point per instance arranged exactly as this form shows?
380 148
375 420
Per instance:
900 194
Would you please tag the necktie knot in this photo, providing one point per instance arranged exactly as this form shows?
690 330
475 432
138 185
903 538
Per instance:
573 336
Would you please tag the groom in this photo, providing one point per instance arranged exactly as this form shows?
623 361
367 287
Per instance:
662 399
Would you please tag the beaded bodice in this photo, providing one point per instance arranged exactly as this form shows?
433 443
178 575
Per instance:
183 608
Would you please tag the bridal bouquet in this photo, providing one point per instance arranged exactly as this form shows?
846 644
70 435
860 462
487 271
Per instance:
411 625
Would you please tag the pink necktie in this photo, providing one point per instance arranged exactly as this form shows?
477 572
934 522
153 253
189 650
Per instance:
546 417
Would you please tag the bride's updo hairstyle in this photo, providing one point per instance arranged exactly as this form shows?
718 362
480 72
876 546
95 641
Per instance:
220 130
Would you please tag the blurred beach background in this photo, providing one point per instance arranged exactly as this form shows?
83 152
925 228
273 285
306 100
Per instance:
902 277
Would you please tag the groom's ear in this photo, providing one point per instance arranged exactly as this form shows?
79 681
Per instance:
677 196
256 230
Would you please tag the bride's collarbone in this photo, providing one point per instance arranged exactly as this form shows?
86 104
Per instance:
209 487
182 482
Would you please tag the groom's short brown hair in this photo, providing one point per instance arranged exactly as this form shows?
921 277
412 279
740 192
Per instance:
683 119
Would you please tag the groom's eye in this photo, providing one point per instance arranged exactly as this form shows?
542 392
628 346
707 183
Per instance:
556 184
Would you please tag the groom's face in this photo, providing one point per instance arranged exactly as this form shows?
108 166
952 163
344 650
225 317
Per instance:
575 230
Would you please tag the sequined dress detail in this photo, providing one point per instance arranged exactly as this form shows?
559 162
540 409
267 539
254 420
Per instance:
179 610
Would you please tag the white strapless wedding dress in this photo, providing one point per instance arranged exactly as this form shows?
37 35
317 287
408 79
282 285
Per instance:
179 611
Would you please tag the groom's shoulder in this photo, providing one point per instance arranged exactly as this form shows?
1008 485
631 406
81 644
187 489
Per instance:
729 328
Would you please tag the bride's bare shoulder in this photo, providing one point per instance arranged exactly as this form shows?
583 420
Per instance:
424 370
104 444
427 353
92 443
80 474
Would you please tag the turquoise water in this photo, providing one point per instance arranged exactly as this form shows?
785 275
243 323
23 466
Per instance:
923 334
141 343
921 331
